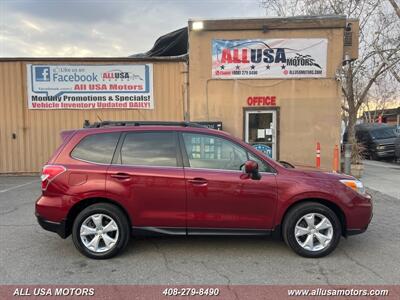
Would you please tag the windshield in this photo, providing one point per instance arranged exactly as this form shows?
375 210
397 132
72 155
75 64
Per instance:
383 133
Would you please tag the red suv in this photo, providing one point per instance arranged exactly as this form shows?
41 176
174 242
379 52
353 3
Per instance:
119 179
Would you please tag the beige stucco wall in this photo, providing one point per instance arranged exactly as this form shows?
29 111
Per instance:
38 131
309 108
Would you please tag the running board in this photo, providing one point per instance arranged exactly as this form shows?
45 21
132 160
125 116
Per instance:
157 231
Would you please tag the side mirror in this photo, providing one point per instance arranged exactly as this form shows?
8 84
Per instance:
251 168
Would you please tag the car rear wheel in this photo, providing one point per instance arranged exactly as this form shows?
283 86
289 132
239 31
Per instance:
100 231
311 229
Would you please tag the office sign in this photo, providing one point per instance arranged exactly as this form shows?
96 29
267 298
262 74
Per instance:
90 86
270 58
261 100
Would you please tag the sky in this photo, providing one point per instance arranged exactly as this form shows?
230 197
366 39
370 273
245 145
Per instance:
93 28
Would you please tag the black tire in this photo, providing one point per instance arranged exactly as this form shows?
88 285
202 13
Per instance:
108 210
296 213
373 156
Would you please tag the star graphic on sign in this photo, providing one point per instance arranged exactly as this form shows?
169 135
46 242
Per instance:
268 67
237 67
222 67
283 67
252 67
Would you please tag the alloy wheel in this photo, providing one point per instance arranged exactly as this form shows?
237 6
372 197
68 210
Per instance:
313 232
99 233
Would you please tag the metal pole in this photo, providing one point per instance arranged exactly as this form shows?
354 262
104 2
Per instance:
347 158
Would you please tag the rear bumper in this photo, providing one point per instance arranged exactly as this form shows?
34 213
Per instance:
52 215
59 228
52 208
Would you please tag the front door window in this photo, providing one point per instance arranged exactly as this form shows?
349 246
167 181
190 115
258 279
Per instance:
211 152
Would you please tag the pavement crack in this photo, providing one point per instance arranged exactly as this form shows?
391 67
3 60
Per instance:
321 271
228 280
15 208
3 213
362 265
166 262
17 225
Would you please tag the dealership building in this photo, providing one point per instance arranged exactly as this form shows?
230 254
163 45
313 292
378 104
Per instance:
272 82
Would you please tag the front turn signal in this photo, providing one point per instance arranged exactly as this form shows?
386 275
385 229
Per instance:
355 185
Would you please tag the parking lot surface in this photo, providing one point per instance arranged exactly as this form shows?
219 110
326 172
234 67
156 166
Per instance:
30 255
383 177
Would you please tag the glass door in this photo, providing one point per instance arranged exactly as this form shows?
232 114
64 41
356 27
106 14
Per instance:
260 131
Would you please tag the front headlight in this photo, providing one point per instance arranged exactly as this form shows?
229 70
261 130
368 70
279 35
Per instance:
355 185
379 147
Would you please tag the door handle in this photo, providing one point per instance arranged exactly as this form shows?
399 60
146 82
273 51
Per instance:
198 181
120 176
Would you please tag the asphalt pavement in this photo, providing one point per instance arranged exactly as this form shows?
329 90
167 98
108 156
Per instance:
383 177
30 255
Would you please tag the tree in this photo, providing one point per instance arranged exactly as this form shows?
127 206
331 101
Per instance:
379 52
396 7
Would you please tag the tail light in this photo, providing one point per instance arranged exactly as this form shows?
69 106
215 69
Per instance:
50 172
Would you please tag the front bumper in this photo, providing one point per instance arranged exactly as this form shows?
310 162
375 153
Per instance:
361 216
384 153
59 228
356 231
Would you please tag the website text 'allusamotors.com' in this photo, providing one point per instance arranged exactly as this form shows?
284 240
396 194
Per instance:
338 292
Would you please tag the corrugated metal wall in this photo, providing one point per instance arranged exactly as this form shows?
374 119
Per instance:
29 137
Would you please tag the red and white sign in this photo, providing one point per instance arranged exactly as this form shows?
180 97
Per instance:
261 100
269 58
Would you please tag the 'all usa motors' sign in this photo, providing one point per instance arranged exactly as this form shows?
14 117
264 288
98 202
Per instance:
90 86
272 58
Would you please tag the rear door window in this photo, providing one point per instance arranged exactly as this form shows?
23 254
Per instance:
97 148
150 149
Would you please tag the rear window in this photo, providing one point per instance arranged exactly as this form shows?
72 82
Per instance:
149 149
97 148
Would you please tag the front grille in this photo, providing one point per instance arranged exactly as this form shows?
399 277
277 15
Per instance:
386 147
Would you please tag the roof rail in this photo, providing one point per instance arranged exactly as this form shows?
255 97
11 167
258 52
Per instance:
87 124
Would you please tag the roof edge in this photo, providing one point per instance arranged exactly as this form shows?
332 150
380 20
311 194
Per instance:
179 58
297 22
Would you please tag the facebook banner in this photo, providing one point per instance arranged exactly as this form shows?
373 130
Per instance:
90 86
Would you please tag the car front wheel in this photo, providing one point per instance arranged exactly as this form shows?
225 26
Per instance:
100 231
312 229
